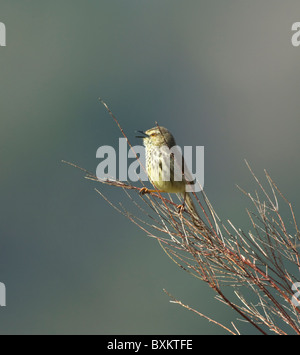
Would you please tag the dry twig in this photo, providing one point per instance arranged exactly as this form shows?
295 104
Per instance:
261 261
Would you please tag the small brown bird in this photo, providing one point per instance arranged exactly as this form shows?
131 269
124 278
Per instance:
165 167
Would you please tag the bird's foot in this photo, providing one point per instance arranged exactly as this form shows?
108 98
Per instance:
144 191
180 208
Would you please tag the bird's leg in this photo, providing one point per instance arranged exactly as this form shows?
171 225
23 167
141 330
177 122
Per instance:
145 190
181 206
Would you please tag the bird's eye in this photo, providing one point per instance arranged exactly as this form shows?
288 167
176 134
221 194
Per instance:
153 134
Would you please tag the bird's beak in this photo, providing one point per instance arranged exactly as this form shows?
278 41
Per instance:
144 134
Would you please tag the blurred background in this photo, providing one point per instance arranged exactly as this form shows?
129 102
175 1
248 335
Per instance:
220 74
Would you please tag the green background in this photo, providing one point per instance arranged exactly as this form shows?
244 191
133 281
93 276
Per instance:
221 74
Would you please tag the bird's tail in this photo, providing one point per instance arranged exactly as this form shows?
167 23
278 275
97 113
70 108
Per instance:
198 222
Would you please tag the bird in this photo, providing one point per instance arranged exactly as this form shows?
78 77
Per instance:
166 169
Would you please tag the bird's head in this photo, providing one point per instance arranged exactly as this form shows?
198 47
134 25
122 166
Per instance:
157 136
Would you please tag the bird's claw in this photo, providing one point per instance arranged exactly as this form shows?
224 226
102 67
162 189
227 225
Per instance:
180 208
144 191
